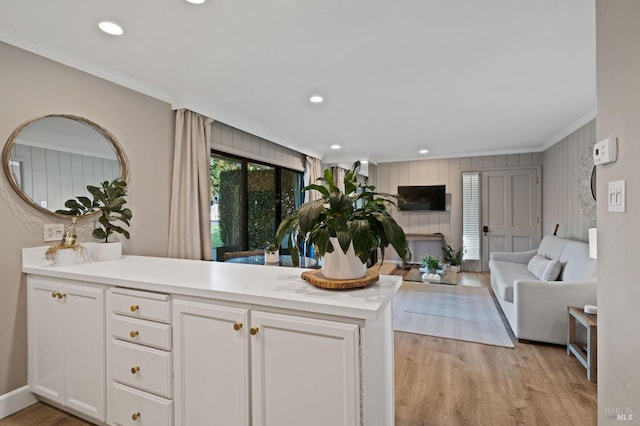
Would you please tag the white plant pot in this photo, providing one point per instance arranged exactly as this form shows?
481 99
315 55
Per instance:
67 257
272 257
342 266
455 268
102 252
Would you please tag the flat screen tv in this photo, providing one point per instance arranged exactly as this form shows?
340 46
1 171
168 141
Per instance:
431 197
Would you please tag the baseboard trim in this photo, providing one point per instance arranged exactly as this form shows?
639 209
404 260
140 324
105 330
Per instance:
15 401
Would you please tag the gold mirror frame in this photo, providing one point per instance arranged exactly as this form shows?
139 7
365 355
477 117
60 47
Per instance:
108 136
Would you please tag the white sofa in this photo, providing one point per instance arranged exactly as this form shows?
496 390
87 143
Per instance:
537 309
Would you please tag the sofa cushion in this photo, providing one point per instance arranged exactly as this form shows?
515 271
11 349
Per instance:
551 247
543 268
505 273
577 265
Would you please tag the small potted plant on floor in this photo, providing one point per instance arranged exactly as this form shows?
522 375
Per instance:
109 199
453 257
344 226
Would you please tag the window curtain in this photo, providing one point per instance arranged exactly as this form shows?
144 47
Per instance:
338 177
312 171
190 220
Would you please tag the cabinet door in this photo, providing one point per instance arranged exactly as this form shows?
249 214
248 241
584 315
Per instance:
84 350
46 367
304 371
211 364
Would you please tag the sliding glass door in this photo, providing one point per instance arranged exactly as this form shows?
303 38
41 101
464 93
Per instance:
250 199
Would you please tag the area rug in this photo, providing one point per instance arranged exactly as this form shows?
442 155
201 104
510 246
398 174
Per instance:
460 312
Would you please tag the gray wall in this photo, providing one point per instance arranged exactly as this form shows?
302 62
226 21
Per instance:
566 177
234 141
618 90
388 176
32 86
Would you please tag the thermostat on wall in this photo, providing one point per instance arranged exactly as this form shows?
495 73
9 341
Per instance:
605 151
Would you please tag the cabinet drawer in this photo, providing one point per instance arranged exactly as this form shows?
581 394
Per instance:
146 409
140 304
141 367
141 331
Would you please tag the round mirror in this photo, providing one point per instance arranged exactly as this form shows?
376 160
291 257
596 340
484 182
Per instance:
52 159
593 182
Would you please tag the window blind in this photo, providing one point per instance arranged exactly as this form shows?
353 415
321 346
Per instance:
471 215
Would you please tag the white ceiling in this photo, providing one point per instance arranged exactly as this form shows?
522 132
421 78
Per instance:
457 77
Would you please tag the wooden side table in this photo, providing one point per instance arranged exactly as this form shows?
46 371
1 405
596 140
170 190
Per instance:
585 352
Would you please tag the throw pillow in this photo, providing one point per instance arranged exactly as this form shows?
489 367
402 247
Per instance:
544 269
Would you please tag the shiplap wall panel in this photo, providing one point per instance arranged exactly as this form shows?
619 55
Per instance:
233 141
560 189
55 176
440 172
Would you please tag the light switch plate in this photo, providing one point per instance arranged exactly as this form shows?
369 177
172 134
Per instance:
616 196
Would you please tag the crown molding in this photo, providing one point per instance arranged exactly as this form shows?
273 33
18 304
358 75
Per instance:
570 129
219 113
40 48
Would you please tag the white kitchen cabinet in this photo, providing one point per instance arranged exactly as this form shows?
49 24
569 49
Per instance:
180 347
301 370
211 359
67 344
140 362
304 371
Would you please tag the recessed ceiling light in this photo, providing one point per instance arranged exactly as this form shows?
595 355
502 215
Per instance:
423 151
111 28
196 1
316 99
335 146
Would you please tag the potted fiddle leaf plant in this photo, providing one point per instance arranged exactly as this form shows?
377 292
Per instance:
344 226
109 200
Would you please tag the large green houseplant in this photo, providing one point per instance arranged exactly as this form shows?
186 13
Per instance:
357 216
109 200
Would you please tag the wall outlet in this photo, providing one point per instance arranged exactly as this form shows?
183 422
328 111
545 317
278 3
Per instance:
53 231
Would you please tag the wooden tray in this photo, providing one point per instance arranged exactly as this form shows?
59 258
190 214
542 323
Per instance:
316 279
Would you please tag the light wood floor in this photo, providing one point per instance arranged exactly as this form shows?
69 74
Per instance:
449 382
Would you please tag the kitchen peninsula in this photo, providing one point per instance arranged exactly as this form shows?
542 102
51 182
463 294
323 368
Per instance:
186 342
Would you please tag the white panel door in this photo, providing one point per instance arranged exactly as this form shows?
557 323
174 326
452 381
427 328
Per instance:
84 354
510 211
211 364
304 371
46 366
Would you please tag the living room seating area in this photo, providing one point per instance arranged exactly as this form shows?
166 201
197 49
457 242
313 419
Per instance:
535 287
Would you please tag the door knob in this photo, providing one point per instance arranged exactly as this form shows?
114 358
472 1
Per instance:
134 308
254 330
135 369
237 326
55 294
133 334
135 416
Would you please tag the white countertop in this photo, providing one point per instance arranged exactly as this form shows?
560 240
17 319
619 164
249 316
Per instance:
274 286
